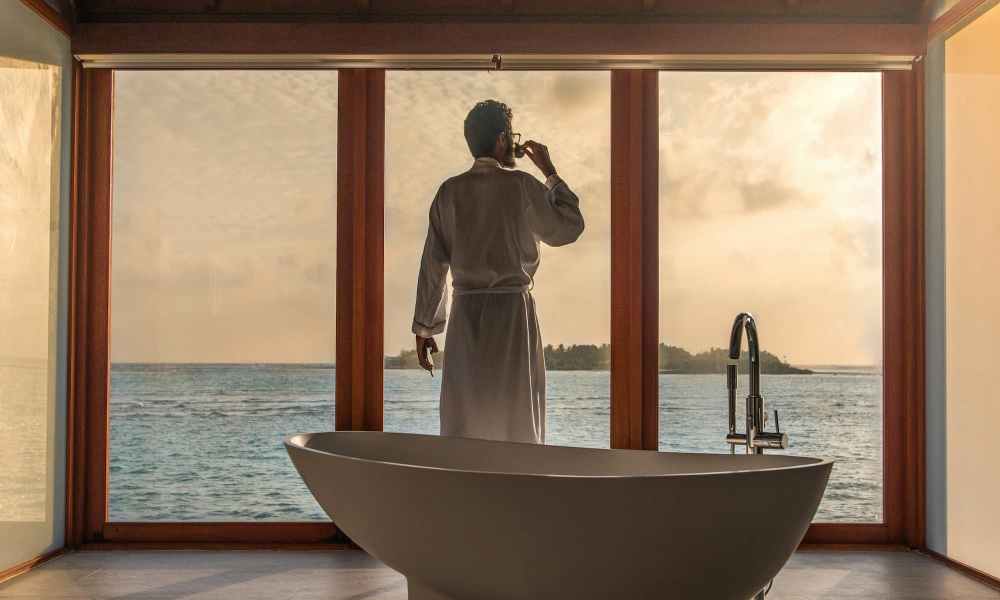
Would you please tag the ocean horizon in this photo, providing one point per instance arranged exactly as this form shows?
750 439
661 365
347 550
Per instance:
203 441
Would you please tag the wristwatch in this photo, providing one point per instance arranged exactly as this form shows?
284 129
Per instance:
552 180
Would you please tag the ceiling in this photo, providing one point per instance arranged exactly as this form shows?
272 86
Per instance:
815 11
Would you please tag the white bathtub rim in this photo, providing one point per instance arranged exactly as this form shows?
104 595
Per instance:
290 441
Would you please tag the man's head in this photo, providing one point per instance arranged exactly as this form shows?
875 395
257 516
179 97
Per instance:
488 131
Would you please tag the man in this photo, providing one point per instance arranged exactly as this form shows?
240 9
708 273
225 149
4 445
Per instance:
486 225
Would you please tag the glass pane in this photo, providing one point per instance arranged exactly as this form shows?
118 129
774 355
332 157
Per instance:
771 203
223 280
29 209
570 112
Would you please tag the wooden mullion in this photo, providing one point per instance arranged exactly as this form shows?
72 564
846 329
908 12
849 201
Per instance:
76 326
903 308
358 154
633 262
634 301
347 168
361 124
374 250
917 286
650 409
90 276
621 153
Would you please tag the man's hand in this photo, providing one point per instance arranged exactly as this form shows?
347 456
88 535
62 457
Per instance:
539 154
423 346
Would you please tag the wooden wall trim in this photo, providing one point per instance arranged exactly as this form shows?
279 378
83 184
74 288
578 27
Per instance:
488 38
961 567
51 16
955 18
903 307
634 259
24 567
223 534
89 293
360 205
848 533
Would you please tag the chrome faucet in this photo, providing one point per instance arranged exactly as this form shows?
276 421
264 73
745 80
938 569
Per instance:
756 439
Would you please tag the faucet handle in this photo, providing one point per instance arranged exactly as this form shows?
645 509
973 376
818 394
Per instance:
774 440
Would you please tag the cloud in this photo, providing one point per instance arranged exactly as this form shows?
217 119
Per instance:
225 220
570 93
768 195
224 216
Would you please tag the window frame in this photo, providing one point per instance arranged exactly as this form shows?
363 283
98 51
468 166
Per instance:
359 317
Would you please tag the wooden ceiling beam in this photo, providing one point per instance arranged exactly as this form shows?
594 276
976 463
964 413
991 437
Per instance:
489 38
829 11
954 18
60 20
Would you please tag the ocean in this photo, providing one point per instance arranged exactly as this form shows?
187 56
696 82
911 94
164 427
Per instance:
202 442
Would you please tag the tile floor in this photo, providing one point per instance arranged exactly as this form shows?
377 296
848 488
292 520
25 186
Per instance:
353 575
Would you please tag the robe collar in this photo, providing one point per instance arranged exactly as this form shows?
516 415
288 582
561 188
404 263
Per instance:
485 161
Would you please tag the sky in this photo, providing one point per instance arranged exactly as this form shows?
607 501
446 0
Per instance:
224 208
771 202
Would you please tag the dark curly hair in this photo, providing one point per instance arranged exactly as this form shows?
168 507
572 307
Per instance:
485 121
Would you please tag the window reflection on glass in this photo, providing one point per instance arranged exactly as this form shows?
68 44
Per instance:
223 283
570 113
771 202
29 201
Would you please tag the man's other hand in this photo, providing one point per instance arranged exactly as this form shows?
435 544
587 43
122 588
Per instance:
539 154
426 347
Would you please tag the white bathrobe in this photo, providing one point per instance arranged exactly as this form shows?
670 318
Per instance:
486 225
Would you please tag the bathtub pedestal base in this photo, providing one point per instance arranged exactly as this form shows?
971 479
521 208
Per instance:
417 591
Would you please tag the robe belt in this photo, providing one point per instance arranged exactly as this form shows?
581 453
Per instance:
513 289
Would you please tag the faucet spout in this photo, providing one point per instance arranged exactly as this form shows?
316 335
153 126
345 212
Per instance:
736 336
756 438
746 321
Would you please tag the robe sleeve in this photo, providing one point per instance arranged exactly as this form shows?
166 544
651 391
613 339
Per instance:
553 210
430 313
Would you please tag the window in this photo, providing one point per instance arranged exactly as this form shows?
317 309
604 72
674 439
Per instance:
29 208
33 137
771 203
223 282
570 113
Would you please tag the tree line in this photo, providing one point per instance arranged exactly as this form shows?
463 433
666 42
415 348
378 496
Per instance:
591 357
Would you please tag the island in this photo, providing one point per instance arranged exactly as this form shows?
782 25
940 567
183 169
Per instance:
591 357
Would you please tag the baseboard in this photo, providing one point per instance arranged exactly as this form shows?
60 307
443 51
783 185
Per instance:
973 572
294 546
20 569
824 547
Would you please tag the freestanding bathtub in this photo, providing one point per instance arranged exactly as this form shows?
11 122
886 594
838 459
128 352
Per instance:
468 519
